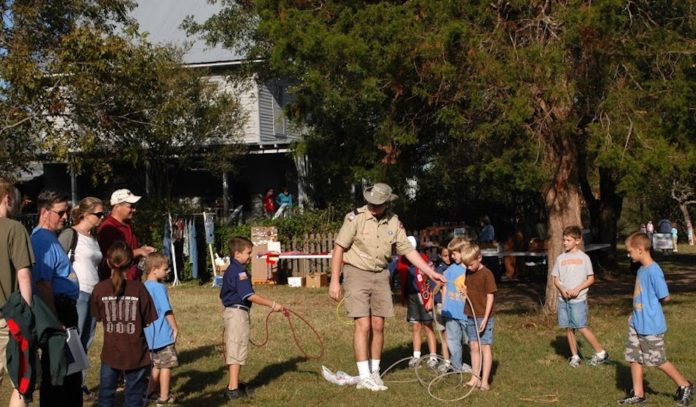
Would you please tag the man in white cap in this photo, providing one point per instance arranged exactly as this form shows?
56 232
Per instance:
117 226
362 250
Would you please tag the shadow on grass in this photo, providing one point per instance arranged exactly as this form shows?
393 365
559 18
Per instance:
271 372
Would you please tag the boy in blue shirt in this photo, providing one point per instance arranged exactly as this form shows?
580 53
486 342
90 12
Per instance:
237 295
453 306
161 334
647 326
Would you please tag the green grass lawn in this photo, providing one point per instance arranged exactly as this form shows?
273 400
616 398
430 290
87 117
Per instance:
530 352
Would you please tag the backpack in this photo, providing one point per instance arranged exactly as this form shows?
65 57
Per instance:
71 234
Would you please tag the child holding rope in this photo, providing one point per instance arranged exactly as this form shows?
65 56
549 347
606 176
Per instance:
572 275
645 345
415 292
161 334
237 295
453 307
443 263
480 288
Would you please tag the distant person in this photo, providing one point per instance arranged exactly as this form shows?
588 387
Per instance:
16 260
643 228
118 226
161 335
124 307
645 345
650 230
480 288
55 283
675 238
572 276
269 207
487 234
237 295
84 254
285 197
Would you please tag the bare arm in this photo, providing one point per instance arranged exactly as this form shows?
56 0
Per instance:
414 257
490 298
559 286
257 299
588 282
24 282
143 250
336 266
172 323
666 299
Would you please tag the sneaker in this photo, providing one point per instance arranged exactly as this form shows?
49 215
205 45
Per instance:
444 367
598 360
369 384
150 398
233 394
432 362
169 401
632 399
574 361
684 394
246 388
413 362
378 379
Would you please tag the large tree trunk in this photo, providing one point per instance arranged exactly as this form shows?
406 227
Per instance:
562 200
687 221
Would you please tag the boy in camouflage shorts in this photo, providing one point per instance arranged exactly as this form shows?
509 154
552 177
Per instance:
645 345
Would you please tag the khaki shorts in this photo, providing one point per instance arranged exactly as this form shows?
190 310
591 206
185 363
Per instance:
236 335
165 358
367 293
4 339
648 350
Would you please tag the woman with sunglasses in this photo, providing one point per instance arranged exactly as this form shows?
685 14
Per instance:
82 248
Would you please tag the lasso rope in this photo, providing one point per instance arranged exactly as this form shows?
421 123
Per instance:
287 313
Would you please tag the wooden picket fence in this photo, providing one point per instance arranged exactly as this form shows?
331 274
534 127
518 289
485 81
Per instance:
321 243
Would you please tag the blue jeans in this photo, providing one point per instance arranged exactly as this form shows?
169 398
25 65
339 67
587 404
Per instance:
136 384
86 324
456 335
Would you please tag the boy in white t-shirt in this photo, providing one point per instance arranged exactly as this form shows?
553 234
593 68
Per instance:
572 275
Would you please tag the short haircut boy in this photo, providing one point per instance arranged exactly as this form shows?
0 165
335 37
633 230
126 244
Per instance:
155 260
457 244
237 244
639 240
573 231
470 253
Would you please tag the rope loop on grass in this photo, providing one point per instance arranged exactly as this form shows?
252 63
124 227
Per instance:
288 313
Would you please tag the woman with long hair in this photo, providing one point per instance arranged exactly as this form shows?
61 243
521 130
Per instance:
124 307
82 248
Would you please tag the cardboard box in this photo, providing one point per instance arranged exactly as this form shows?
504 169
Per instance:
296 281
317 280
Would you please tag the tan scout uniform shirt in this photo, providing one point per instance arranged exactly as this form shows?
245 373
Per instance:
368 241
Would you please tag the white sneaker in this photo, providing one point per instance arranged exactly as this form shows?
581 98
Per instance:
369 384
444 367
413 362
574 361
378 379
432 362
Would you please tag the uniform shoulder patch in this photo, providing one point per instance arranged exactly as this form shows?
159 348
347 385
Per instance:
243 275
353 214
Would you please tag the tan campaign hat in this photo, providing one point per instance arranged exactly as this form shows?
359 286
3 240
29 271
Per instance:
124 195
378 194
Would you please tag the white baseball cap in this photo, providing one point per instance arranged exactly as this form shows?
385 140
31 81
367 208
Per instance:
124 195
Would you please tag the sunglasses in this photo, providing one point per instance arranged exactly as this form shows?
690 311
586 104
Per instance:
98 214
60 213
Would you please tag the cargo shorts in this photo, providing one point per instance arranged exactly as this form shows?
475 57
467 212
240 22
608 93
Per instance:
165 358
237 331
648 350
367 293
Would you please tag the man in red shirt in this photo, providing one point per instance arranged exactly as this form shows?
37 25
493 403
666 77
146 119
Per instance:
117 226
